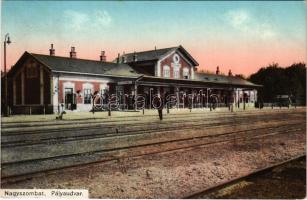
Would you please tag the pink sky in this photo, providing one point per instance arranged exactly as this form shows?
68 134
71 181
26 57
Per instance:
239 60
241 36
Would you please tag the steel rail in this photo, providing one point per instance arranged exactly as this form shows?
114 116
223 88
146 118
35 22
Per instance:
202 194
100 125
213 114
162 142
142 154
63 123
105 132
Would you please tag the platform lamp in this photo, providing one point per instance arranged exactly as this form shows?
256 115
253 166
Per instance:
6 41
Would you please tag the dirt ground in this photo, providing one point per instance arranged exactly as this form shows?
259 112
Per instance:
172 174
284 182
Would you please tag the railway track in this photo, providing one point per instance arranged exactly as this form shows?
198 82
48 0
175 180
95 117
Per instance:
7 126
101 125
15 153
27 154
9 140
204 194
149 115
25 168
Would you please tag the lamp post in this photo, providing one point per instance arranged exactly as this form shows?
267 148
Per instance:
6 41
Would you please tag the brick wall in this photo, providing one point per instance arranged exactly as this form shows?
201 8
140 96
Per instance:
169 60
78 88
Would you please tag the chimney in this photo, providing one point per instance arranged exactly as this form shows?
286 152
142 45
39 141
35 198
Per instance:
73 53
230 73
117 59
103 57
135 58
52 50
217 70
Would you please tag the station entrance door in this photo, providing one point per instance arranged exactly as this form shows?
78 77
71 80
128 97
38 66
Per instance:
70 99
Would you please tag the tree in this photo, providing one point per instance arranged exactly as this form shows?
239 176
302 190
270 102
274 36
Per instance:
282 81
297 81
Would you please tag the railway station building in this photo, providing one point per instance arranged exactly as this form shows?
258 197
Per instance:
49 83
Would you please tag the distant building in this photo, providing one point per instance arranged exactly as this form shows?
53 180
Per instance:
49 83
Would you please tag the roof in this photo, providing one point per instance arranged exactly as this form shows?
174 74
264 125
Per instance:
222 79
92 67
148 55
76 65
157 54
207 79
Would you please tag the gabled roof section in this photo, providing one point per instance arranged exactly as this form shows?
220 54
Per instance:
25 56
147 55
82 66
157 54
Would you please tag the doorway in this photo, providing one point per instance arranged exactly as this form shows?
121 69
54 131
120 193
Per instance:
70 99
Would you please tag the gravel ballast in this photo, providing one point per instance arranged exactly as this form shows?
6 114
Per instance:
173 174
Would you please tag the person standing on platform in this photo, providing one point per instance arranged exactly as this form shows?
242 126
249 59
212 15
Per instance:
158 104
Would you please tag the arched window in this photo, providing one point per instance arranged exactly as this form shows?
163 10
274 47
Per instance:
176 72
185 73
166 71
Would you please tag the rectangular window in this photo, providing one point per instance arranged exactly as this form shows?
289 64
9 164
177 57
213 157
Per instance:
87 96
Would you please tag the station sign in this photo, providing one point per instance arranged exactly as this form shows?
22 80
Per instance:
124 82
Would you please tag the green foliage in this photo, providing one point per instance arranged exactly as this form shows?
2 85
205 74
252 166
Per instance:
282 81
